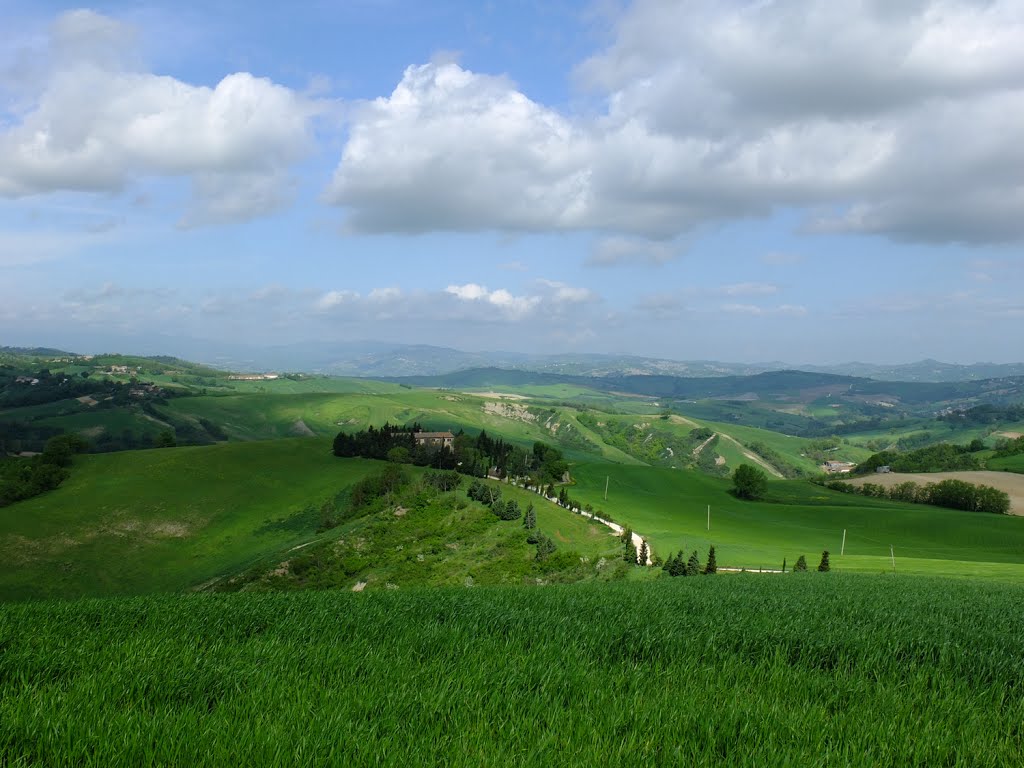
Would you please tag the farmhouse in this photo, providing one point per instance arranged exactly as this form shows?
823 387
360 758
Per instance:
434 439
838 467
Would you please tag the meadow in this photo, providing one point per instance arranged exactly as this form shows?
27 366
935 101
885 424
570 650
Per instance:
177 518
809 669
800 518
164 519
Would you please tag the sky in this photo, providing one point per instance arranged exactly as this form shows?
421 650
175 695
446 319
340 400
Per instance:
811 181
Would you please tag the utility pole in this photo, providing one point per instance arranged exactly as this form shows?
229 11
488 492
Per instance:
893 556
709 517
842 550
606 487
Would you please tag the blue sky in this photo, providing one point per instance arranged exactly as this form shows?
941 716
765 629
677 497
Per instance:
796 180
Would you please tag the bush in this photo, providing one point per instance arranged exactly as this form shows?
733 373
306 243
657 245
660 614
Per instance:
824 566
749 482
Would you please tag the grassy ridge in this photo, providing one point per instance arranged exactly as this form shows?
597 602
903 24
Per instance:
670 508
159 520
728 670
170 519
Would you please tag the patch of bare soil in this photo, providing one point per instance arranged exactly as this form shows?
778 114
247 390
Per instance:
1009 482
299 427
498 395
87 400
1009 435
510 411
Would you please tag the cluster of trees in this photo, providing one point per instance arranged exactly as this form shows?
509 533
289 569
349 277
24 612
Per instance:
373 488
801 564
950 493
53 387
680 565
942 457
443 481
749 482
22 478
475 456
986 414
1010 448
489 495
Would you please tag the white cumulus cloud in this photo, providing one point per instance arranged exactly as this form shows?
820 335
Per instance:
96 123
899 119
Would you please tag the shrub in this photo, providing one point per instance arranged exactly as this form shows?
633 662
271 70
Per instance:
824 566
801 565
749 482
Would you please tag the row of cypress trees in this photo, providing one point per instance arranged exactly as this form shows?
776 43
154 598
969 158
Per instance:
680 565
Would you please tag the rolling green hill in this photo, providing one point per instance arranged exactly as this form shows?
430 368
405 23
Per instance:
800 518
171 519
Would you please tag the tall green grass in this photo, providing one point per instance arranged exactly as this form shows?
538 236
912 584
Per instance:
817 669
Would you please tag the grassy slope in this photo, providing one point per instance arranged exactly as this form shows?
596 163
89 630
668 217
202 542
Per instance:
444 539
1008 463
670 507
168 519
264 416
727 670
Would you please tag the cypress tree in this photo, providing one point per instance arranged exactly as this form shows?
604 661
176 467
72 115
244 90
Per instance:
783 565
530 521
645 552
823 566
693 565
677 565
712 566
801 564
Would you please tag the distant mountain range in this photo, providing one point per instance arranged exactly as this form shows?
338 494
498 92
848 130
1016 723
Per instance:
372 359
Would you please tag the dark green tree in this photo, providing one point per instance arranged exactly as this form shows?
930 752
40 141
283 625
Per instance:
693 565
749 482
166 439
801 565
677 565
823 566
783 565
712 566
530 520
645 552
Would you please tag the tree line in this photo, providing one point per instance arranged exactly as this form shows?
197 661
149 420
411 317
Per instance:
23 478
942 457
477 456
950 493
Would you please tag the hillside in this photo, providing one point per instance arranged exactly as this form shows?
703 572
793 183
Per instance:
173 519
799 518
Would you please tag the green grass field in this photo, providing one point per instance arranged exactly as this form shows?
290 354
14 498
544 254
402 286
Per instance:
1008 463
670 508
813 669
163 520
171 519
